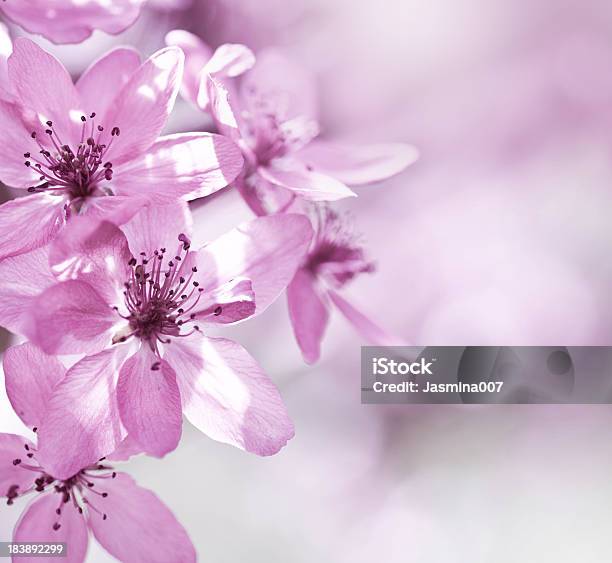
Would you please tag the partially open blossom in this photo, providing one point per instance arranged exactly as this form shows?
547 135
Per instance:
71 21
138 304
72 145
272 115
130 522
334 259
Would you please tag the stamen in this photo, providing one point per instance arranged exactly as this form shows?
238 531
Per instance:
76 174
159 297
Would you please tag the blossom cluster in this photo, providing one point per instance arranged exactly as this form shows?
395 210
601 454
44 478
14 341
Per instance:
110 299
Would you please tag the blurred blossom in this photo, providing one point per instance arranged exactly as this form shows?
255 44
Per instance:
71 21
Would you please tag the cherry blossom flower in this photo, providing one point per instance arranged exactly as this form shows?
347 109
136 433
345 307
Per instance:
272 115
334 259
71 21
137 304
130 522
71 144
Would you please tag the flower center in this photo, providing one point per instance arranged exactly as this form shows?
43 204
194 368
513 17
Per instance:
73 172
336 253
269 132
78 492
160 297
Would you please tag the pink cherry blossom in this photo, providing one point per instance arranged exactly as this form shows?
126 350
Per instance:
71 144
137 304
272 115
334 259
130 522
71 21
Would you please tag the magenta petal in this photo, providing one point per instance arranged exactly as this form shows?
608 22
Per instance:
139 527
197 54
99 84
14 142
82 422
150 403
23 278
357 165
228 61
36 525
306 183
266 250
69 23
117 209
230 303
18 215
70 318
222 108
12 447
227 396
127 448
186 165
92 251
141 108
158 226
367 328
43 84
309 315
30 376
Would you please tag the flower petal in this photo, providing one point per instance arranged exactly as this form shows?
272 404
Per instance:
6 48
197 54
158 226
266 250
308 313
82 423
64 22
228 61
306 183
116 209
150 403
227 396
223 108
15 141
43 84
23 277
30 376
367 328
357 165
127 448
92 251
26 223
70 317
37 522
12 447
230 303
140 109
139 527
99 84
185 165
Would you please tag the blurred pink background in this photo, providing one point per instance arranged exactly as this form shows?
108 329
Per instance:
500 234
